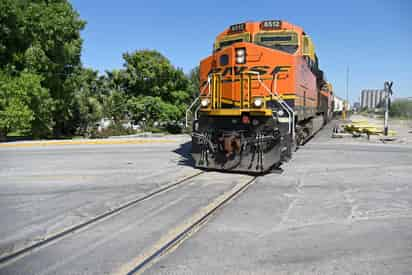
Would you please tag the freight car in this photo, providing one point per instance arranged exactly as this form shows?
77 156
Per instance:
261 95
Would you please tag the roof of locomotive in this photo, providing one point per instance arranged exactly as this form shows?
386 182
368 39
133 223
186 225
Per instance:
254 27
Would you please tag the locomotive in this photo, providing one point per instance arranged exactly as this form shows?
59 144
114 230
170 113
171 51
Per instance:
262 94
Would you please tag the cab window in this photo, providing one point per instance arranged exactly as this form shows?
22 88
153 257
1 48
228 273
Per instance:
224 44
281 41
231 39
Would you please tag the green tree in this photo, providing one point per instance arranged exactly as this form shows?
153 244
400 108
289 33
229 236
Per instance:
158 92
115 106
25 106
112 95
12 41
401 108
111 81
149 73
90 111
152 109
43 37
194 77
88 108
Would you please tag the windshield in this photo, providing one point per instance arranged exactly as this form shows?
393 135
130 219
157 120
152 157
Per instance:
284 41
229 42
231 39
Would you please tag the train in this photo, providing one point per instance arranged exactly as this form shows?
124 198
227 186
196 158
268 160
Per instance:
262 94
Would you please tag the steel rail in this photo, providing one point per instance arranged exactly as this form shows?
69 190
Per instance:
184 233
55 237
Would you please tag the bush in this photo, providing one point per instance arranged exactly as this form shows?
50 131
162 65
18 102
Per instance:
155 130
112 130
170 128
401 109
173 128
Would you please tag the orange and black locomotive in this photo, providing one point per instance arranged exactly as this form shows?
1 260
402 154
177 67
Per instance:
261 94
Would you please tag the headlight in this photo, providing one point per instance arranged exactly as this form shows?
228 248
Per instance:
258 102
241 56
240 59
240 52
204 102
281 113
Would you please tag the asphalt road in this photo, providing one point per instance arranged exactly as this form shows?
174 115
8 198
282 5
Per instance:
117 244
46 189
340 206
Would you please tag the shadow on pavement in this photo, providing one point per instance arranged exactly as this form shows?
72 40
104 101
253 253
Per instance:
184 151
187 160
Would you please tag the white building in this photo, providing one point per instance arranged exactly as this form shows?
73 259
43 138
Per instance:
338 104
372 98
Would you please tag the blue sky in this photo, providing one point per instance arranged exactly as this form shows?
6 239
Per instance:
373 38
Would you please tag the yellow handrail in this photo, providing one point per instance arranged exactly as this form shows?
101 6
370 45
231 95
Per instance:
220 92
249 90
245 93
216 91
241 91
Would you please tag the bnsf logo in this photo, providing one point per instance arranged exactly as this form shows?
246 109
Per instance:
237 70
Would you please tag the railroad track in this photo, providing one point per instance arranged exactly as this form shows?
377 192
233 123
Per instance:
185 230
65 232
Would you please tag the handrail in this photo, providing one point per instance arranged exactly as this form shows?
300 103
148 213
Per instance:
249 89
286 106
188 110
216 91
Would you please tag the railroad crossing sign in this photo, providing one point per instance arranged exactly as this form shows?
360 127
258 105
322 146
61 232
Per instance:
387 85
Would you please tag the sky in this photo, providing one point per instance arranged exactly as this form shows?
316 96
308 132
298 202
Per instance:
371 38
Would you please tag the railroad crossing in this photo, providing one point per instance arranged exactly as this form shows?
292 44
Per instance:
145 209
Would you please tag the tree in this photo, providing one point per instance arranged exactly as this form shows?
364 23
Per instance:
88 109
90 112
149 73
12 40
25 106
157 90
43 37
115 106
194 77
153 109
401 108
45 86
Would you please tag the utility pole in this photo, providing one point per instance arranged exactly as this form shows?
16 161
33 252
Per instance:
346 106
388 92
347 84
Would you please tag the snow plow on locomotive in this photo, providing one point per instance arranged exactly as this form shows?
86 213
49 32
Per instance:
261 95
